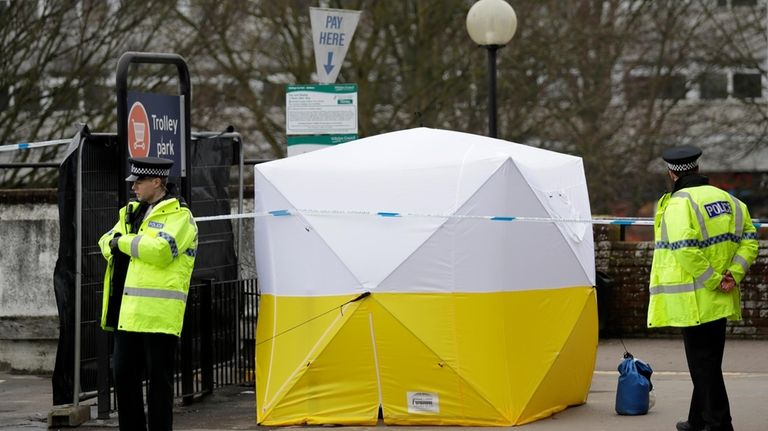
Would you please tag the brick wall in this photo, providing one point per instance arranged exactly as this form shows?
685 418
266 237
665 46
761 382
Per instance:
623 305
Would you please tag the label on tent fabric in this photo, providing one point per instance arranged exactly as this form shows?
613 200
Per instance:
423 402
560 204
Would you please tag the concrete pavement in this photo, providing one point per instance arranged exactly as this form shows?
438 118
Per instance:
26 400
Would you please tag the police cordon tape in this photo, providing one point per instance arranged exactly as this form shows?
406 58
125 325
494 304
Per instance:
625 221
28 145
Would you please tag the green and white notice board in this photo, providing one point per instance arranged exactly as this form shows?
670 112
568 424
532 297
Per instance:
318 115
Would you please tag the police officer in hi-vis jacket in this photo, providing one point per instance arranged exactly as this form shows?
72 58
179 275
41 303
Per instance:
150 254
705 243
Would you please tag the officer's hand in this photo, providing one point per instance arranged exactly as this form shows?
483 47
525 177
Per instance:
727 283
113 244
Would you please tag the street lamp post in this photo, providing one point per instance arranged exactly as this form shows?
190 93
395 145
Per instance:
491 24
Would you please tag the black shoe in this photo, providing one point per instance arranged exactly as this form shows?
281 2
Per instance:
686 426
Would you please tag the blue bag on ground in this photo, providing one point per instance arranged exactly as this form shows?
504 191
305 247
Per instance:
632 393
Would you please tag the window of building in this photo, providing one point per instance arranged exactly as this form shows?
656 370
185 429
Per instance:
713 86
5 98
21 11
275 93
643 87
747 85
94 10
95 93
27 98
736 3
673 87
65 98
208 94
637 88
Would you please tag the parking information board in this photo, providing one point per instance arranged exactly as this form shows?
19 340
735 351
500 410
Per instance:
318 115
156 128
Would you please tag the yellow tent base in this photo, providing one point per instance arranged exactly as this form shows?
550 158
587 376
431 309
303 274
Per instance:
487 359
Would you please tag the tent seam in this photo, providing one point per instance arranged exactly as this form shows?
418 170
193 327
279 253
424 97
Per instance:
469 384
541 380
322 239
442 225
287 389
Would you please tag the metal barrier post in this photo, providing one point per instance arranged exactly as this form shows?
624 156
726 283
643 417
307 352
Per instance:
75 414
78 272
206 336
102 376
187 383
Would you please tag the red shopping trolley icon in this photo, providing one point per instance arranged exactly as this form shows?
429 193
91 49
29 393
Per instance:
138 131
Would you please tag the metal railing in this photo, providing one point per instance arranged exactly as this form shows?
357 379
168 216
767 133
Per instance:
217 344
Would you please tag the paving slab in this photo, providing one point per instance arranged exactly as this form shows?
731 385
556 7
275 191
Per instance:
25 400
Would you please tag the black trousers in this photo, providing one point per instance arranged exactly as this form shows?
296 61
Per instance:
134 353
704 345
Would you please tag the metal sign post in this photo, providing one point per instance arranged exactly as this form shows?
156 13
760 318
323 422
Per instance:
159 124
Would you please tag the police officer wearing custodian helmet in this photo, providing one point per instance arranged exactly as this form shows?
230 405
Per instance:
150 254
705 243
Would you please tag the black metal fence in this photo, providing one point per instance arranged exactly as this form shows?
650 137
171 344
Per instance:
216 346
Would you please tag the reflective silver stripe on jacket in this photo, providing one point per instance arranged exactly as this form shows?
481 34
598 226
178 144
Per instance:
664 235
688 287
677 288
705 276
154 293
739 215
135 246
699 215
741 261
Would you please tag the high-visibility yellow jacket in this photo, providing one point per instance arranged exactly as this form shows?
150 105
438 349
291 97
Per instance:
162 256
700 233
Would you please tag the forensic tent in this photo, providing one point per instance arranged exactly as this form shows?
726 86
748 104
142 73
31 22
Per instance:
394 276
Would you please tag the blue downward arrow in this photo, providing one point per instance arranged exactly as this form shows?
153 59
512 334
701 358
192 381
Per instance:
329 64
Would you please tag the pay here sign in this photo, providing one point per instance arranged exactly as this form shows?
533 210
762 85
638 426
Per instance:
332 31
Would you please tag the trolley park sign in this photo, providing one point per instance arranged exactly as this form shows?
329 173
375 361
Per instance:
156 128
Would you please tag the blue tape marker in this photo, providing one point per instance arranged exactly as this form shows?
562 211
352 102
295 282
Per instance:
383 214
23 146
280 213
503 218
623 222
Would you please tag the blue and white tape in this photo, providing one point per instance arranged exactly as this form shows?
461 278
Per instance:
624 221
27 145
391 214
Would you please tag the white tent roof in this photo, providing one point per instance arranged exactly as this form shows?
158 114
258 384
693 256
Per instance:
423 172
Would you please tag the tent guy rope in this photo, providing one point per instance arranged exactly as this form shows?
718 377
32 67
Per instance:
338 307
